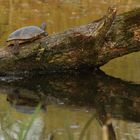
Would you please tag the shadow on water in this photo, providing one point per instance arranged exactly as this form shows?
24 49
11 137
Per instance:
111 97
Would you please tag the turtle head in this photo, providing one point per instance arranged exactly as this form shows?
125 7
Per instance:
43 26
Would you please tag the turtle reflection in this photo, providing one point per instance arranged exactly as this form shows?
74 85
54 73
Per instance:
26 101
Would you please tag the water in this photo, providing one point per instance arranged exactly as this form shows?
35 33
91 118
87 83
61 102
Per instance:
71 101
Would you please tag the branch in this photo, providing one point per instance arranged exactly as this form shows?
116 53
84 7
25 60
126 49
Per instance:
81 48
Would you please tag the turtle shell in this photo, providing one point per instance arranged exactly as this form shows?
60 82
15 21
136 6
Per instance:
25 33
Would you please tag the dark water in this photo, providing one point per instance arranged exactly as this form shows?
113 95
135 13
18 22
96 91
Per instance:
74 106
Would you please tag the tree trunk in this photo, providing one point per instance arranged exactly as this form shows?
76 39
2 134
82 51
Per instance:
81 48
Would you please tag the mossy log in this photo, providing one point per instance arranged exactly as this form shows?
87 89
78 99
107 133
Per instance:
81 48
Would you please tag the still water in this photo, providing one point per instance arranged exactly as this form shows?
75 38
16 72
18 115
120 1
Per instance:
74 106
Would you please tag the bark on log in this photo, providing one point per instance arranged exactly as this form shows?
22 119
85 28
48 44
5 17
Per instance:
84 47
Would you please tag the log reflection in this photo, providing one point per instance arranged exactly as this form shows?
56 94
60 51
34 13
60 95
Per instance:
111 97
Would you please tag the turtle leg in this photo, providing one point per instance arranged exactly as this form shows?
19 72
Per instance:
16 48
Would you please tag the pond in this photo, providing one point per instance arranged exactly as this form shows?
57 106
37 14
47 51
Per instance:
75 106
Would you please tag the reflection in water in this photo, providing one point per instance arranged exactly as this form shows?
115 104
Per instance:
19 98
126 67
111 98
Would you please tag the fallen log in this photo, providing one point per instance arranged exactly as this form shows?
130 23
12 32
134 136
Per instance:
84 47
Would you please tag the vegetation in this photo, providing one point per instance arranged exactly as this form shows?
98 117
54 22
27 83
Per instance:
20 130
17 130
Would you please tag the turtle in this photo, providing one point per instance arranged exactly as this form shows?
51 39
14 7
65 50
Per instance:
26 34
